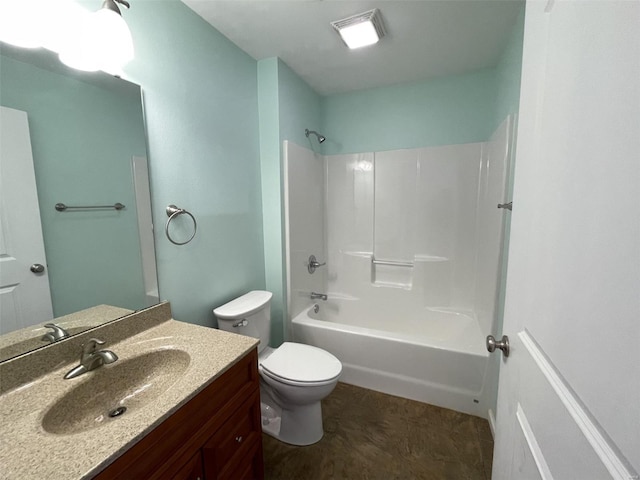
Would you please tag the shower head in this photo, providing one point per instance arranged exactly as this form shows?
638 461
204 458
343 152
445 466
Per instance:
321 138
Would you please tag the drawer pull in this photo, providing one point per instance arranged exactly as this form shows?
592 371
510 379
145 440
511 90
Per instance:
239 439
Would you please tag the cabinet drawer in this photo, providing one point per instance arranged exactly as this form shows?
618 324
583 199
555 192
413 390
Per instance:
233 443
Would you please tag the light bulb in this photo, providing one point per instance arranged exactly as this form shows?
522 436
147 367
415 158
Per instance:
102 42
113 44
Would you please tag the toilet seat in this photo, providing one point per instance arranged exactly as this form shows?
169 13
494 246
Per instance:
301 365
294 383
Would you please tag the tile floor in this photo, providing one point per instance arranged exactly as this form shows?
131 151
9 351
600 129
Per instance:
370 435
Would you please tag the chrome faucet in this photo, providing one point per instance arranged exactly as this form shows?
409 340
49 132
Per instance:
90 359
321 296
57 334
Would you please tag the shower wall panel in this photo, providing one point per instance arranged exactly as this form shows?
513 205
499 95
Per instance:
489 226
415 207
445 248
432 209
394 224
305 236
349 212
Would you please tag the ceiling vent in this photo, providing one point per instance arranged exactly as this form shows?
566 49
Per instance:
360 30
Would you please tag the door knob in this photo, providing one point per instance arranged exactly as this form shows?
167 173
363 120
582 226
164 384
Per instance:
502 344
37 268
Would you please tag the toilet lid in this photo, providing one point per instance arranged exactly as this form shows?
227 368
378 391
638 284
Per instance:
243 306
302 363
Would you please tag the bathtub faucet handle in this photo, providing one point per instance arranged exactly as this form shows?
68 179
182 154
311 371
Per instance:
321 296
313 264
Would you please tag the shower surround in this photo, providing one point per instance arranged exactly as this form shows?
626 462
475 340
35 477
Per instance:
412 240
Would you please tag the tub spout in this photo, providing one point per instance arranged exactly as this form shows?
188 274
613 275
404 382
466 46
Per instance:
321 296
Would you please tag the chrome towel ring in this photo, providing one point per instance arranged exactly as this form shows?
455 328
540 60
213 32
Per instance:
173 212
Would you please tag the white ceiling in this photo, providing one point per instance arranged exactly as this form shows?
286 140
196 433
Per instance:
425 38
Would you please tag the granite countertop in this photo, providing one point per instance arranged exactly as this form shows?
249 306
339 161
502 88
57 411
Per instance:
29 338
28 451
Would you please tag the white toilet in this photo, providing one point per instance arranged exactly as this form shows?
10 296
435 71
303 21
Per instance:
294 378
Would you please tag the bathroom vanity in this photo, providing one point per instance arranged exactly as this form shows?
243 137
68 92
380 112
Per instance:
191 395
216 435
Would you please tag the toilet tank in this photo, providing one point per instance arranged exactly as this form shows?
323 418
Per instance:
248 315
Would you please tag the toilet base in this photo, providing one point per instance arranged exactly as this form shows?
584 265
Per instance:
270 420
300 427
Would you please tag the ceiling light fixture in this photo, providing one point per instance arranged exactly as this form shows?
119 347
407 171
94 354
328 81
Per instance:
103 42
360 30
24 23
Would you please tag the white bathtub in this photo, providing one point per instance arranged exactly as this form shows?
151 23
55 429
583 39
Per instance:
434 356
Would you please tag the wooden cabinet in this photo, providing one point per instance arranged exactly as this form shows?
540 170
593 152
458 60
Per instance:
225 453
216 435
192 470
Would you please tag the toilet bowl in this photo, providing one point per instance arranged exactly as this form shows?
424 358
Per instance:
294 378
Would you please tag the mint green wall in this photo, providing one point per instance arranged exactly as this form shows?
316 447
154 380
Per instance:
447 110
201 112
300 108
83 137
287 106
270 152
508 73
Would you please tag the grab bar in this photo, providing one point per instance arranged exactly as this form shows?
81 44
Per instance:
391 263
61 207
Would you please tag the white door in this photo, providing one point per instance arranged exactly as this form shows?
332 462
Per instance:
569 395
25 298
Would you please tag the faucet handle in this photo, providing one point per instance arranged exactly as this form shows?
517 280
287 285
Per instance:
313 264
91 345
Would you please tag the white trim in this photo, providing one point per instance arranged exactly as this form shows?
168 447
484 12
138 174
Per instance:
601 447
412 388
492 422
534 447
142 192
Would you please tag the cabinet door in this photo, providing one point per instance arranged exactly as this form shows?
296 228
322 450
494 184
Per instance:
250 468
192 470
233 446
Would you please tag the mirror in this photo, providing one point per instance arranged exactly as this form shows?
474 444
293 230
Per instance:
88 145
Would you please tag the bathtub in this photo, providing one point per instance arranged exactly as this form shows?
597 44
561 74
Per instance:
436 356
